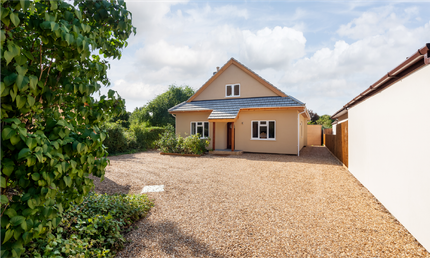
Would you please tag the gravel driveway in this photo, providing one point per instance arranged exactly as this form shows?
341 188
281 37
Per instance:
256 205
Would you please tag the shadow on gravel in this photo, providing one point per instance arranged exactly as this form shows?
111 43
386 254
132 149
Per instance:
109 186
171 240
309 155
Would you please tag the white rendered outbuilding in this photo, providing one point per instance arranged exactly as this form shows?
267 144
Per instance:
389 143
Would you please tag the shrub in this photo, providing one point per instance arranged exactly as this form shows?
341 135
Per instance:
193 144
146 137
170 143
116 140
93 228
138 137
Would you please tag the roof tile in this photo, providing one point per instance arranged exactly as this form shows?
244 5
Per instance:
229 108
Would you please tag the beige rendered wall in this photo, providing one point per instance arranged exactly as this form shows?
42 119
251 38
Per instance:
249 87
286 132
303 131
183 122
220 135
389 159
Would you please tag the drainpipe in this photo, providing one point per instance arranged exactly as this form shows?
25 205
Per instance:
298 132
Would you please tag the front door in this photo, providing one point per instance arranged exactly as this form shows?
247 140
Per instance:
229 128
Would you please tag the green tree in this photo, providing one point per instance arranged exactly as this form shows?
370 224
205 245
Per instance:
51 141
325 121
314 117
123 119
155 112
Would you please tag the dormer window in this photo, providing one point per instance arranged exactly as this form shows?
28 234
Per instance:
232 90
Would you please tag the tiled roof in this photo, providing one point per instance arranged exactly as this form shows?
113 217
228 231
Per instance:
229 108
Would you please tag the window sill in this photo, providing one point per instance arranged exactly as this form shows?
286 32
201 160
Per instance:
255 139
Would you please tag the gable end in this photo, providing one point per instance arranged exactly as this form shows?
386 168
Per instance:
243 68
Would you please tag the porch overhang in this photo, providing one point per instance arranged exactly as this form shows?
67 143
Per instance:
223 120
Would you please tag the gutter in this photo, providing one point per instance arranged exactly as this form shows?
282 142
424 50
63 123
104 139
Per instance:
298 132
401 71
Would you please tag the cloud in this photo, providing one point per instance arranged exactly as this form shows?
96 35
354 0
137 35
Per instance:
375 22
181 43
231 11
344 70
275 48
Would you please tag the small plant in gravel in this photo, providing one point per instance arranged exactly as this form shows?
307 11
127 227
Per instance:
171 143
93 228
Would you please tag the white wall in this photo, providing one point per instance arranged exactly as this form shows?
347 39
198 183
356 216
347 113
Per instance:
389 150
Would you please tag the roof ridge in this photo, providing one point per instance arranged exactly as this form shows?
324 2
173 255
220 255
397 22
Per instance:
209 79
259 75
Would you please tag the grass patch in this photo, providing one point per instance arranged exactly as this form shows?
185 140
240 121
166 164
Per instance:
93 228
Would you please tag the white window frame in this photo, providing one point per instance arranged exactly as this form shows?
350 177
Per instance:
203 128
259 124
232 90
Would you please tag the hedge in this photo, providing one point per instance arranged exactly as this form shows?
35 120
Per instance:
137 138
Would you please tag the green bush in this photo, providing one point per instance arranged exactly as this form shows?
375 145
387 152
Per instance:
93 228
116 140
137 138
146 137
171 143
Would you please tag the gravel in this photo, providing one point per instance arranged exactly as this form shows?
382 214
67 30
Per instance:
255 205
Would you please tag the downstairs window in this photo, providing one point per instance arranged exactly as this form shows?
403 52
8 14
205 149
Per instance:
201 128
263 130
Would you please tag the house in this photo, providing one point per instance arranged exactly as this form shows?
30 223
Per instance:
239 110
389 139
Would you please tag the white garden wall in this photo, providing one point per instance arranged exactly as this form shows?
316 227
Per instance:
389 150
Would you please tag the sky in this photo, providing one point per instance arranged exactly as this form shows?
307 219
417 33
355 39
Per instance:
323 53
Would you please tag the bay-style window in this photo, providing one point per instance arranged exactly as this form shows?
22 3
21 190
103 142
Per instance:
263 130
201 128
232 90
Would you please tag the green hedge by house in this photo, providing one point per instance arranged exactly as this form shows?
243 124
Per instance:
169 142
137 138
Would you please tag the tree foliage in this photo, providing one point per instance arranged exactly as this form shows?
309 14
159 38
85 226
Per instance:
325 121
123 119
51 140
314 117
155 112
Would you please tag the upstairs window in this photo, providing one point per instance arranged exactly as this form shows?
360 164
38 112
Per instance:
263 130
232 90
201 128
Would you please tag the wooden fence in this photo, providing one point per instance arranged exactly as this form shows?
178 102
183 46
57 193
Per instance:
338 144
328 131
314 135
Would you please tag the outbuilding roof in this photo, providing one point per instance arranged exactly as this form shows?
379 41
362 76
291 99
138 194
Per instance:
229 108
406 68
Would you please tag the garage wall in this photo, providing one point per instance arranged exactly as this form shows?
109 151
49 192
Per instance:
389 150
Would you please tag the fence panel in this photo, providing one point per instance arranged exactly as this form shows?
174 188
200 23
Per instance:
314 135
328 131
338 144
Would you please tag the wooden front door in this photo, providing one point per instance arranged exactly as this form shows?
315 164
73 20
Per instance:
229 128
